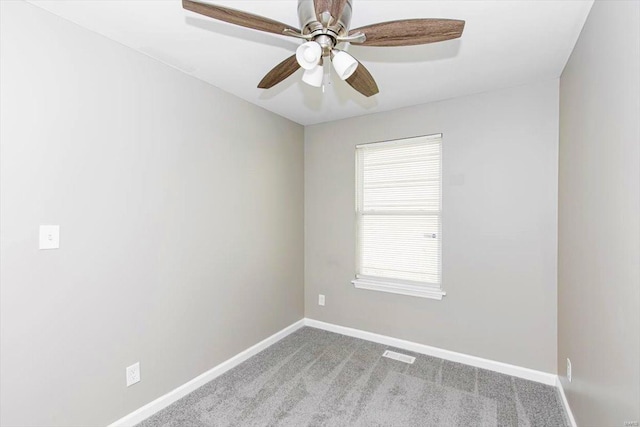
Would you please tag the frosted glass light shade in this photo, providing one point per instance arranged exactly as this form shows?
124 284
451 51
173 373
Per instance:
344 64
314 76
308 55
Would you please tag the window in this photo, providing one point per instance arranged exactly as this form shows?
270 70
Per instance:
398 214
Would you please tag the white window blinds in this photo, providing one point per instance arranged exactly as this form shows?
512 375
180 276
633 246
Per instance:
398 188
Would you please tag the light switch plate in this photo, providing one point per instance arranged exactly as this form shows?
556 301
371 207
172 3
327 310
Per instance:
49 236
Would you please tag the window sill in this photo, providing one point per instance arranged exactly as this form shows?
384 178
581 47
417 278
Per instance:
422 291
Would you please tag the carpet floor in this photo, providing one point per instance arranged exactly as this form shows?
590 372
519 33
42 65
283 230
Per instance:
318 378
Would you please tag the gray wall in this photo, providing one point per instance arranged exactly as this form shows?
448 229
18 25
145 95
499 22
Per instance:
181 213
500 215
599 218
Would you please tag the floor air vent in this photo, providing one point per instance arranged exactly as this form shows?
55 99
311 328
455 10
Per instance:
398 356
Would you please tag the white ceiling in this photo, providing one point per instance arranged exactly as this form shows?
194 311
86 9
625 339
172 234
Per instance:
505 43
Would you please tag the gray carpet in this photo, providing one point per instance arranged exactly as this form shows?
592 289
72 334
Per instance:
318 378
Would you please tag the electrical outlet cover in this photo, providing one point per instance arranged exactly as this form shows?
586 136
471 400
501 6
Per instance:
320 299
133 374
569 369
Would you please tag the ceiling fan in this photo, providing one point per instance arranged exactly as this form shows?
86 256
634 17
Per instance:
325 24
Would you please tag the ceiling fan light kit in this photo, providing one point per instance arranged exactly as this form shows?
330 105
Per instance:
344 64
314 76
326 23
308 55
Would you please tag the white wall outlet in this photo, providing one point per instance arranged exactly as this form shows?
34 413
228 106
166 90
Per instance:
133 374
49 237
569 369
320 299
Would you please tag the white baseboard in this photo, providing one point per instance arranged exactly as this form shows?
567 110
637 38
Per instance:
479 362
565 402
163 401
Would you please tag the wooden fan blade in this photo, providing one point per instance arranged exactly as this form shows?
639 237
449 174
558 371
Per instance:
362 81
279 73
321 6
337 7
334 7
237 17
410 32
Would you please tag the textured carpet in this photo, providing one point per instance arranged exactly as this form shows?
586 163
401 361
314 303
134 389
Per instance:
318 378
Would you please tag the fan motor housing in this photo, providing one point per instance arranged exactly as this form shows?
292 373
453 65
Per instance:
310 24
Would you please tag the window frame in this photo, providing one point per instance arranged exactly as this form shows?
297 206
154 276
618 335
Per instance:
391 285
